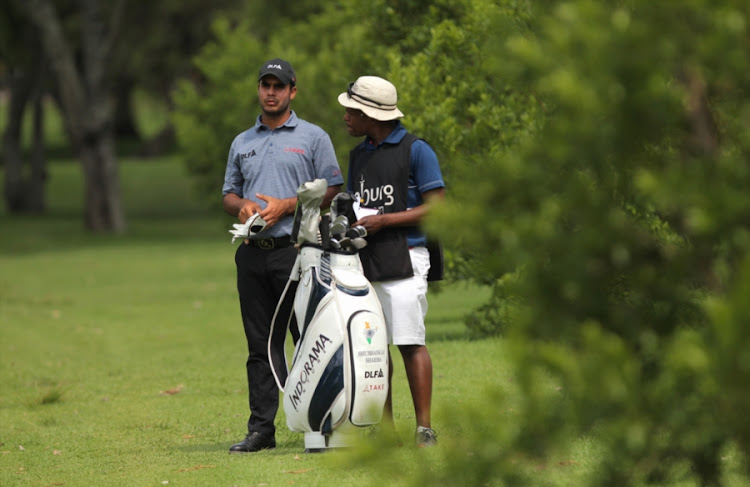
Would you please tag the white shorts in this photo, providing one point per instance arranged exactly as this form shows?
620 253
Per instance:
404 302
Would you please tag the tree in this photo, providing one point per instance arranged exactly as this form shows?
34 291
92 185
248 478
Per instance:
219 103
626 215
596 154
334 42
155 49
101 52
24 191
85 101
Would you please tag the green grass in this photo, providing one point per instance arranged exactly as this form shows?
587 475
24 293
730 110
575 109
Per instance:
122 363
96 330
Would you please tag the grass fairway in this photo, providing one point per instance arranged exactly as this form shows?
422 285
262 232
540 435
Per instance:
122 357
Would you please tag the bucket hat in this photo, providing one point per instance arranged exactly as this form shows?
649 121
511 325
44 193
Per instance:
375 96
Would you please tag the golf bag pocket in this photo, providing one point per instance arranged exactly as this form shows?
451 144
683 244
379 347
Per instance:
368 343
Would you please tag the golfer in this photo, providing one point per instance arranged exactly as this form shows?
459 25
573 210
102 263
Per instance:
394 175
266 165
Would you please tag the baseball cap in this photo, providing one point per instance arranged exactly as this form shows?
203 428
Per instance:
279 68
375 96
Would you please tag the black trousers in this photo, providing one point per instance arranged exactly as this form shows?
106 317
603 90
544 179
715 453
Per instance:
261 278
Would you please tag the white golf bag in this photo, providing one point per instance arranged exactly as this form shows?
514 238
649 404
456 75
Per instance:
339 371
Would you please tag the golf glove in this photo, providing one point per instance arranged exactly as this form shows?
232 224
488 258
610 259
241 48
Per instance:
253 225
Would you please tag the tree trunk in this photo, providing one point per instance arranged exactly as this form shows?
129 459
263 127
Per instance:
85 100
23 193
37 195
15 188
123 114
102 191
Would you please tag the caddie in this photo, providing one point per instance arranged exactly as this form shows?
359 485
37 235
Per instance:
394 176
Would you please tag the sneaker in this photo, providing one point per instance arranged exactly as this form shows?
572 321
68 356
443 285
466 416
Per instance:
425 437
254 442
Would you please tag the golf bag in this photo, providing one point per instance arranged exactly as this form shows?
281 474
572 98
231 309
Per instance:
338 378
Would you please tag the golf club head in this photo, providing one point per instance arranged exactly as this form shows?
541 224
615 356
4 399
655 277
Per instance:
356 232
334 244
359 243
339 225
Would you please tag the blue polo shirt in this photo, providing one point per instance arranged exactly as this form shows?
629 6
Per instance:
424 174
275 162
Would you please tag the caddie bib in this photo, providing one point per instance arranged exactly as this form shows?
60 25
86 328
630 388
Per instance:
380 180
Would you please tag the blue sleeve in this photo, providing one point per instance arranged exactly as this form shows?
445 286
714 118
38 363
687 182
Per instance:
233 179
424 169
424 175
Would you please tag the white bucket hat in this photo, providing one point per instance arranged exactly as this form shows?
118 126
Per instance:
375 96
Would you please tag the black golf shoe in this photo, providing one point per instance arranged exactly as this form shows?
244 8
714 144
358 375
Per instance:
254 442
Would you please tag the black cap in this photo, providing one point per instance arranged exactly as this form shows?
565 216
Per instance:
279 68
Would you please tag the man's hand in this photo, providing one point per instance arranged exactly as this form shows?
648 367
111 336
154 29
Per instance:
412 217
275 209
248 209
372 223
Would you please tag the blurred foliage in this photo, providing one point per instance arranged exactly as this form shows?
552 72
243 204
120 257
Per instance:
430 52
596 155
627 213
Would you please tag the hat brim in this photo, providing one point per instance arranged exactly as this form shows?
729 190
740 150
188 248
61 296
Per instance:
376 113
283 77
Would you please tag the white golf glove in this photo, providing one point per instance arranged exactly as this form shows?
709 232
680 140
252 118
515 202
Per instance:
253 225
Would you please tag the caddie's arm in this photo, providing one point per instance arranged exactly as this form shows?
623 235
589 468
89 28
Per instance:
408 218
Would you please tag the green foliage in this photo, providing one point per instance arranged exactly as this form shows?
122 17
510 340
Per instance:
501 310
429 50
450 88
455 96
726 357
158 39
625 212
211 113
596 155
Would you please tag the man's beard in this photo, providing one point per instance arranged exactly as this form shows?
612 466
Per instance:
277 110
